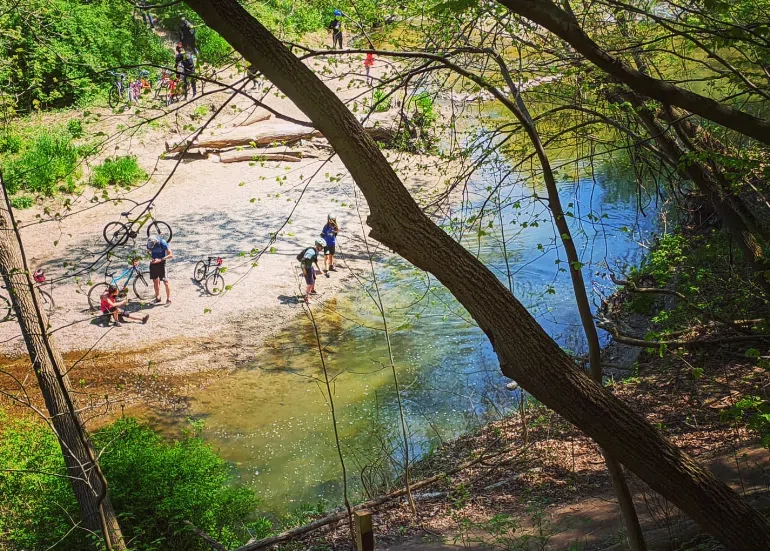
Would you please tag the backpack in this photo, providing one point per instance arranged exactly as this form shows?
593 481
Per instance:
301 255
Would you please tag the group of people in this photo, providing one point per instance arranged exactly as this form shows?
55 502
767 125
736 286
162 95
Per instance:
326 244
112 305
335 27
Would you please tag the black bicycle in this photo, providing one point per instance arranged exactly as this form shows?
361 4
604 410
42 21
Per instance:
6 304
210 271
117 233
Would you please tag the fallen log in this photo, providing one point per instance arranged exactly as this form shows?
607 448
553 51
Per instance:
341 514
256 155
253 119
265 135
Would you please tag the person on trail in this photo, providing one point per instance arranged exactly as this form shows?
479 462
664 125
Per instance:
179 55
329 234
368 64
336 28
110 304
159 253
141 5
187 35
188 72
307 258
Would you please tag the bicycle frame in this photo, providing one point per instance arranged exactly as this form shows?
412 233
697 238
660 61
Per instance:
128 274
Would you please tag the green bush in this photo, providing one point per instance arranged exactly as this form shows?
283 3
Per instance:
79 41
45 159
154 485
122 171
22 202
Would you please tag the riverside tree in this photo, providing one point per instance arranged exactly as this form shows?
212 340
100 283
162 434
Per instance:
525 352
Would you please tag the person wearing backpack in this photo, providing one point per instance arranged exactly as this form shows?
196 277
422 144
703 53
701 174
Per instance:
187 35
307 258
336 28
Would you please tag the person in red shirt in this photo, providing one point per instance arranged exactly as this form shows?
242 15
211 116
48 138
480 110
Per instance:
110 304
368 64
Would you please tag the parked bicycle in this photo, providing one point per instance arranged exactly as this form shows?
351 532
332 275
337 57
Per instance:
162 86
6 305
142 287
211 271
120 92
117 233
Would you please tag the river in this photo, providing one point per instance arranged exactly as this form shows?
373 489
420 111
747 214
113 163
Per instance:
272 420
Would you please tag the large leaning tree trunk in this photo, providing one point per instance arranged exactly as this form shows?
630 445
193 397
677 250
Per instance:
526 353
85 476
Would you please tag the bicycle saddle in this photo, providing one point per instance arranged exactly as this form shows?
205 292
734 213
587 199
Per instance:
109 274
125 213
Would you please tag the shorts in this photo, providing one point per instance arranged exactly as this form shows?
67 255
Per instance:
110 310
158 271
329 249
309 275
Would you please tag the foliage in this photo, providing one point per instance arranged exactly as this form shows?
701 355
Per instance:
155 486
54 51
122 171
44 160
381 100
755 412
507 533
22 202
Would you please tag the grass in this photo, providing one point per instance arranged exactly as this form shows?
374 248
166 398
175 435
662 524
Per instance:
121 171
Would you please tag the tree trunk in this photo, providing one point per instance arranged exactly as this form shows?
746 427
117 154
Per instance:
96 509
526 353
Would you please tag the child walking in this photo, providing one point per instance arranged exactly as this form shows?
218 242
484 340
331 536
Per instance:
329 234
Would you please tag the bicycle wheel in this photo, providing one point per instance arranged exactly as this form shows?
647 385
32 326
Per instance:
5 309
200 271
48 302
143 289
160 228
116 233
95 295
115 97
215 284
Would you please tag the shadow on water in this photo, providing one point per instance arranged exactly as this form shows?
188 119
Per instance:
272 419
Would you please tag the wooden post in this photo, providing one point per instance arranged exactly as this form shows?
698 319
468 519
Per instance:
364 531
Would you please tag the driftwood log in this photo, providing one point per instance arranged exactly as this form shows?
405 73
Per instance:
258 155
265 135
259 116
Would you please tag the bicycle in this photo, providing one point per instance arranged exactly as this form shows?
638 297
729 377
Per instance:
117 233
162 86
119 92
211 272
142 288
6 305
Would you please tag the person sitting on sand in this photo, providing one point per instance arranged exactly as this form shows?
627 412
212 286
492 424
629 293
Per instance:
329 234
110 305
307 258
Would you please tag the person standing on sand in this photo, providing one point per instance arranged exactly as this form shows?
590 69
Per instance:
368 64
159 253
307 258
329 234
187 35
336 28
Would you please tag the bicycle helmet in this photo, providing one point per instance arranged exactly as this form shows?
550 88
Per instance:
337 12
320 242
331 218
153 241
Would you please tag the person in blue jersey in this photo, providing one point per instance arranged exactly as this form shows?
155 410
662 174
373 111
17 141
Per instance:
329 234
159 253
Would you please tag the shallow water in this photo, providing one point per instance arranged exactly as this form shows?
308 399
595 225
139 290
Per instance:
272 420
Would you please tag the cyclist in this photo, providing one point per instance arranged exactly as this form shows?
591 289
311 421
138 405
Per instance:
188 70
336 28
307 258
159 253
329 234
110 305
187 35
